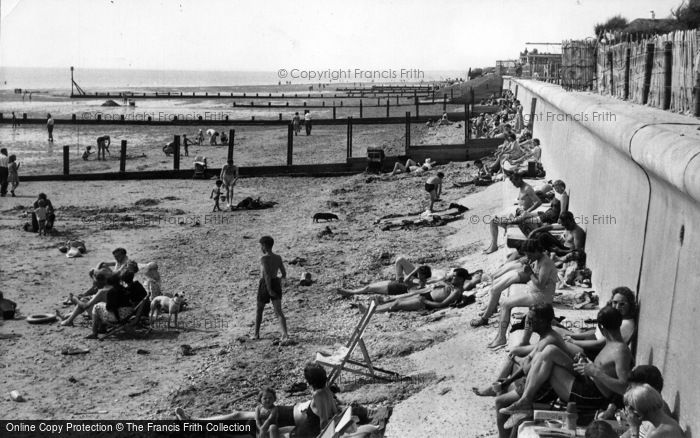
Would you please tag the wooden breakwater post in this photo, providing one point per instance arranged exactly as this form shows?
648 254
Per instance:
387 107
122 157
360 108
334 110
66 160
467 121
408 131
176 153
628 58
231 136
648 66
611 68
668 67
290 144
349 137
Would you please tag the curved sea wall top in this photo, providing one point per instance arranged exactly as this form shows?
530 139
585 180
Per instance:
634 178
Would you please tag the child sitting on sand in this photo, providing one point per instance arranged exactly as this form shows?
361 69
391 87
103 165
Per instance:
86 154
216 194
7 308
266 413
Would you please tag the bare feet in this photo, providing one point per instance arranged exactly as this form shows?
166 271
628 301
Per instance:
66 323
497 343
521 406
486 392
489 250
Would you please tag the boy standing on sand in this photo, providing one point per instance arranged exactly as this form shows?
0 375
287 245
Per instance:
434 187
49 126
270 286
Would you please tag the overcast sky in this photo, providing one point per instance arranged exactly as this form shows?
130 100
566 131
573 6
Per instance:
272 34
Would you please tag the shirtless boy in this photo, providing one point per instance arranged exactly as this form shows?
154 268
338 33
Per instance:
583 382
434 187
229 175
270 285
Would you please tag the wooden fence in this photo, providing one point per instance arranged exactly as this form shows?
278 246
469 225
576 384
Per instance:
661 71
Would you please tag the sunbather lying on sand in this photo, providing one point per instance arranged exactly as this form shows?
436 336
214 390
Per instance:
406 273
412 166
440 295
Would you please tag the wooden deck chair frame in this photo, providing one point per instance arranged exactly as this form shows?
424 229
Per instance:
364 367
337 425
129 322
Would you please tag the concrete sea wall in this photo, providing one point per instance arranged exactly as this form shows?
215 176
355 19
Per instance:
634 177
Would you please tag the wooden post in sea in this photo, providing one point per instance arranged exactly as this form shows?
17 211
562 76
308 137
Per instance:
334 110
628 57
176 153
290 144
66 160
122 157
648 66
360 108
231 136
408 132
668 67
349 137
387 107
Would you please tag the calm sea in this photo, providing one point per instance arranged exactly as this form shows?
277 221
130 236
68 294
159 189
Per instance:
114 79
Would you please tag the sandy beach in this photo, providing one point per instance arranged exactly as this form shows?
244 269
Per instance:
215 266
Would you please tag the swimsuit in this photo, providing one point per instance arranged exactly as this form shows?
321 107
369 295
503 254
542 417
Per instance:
429 187
584 392
396 288
265 296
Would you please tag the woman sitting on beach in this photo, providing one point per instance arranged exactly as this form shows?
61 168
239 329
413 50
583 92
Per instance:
118 305
307 418
592 341
528 201
539 289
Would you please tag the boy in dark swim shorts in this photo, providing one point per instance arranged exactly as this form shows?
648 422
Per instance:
434 187
270 286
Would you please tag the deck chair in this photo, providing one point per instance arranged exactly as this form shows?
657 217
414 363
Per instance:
200 167
129 323
338 424
340 359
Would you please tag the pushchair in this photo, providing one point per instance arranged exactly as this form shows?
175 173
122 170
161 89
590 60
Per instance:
200 167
